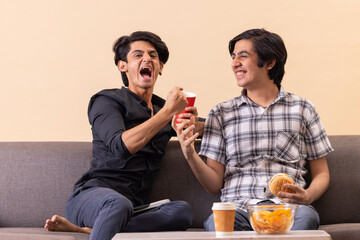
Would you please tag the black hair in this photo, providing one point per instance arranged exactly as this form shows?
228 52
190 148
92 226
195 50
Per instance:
268 46
122 47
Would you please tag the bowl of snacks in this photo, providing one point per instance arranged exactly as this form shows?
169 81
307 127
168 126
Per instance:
271 218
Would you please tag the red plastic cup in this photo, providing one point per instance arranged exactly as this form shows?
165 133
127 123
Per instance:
190 97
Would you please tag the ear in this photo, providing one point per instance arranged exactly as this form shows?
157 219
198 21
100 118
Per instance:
270 64
161 68
122 66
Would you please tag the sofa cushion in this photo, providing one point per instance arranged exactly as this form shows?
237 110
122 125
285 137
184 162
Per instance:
22 236
37 178
343 231
39 234
341 201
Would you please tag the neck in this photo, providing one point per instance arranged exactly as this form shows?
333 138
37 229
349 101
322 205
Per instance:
264 96
145 94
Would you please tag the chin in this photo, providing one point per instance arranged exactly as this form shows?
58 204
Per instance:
147 85
240 84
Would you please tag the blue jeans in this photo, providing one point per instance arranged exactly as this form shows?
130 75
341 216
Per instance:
107 212
306 218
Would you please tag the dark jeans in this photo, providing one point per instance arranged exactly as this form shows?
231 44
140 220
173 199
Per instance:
107 212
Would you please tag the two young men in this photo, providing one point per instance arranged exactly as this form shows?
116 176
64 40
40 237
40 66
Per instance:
264 131
246 140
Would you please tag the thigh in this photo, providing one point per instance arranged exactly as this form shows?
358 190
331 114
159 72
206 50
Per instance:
306 218
242 222
83 206
172 216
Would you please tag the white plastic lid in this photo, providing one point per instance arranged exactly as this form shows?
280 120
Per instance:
223 206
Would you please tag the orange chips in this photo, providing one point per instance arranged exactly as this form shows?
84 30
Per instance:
276 221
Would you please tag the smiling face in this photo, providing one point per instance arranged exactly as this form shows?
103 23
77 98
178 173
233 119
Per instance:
142 67
245 66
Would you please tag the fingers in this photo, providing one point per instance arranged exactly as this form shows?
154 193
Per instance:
192 120
178 92
188 130
191 139
178 127
179 88
293 187
184 130
187 136
297 196
173 123
192 110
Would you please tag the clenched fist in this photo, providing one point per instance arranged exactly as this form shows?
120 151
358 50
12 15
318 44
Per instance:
175 101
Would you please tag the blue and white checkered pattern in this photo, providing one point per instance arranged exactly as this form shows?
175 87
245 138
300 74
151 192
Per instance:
256 143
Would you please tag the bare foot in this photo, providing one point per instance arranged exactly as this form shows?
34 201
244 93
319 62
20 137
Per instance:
61 224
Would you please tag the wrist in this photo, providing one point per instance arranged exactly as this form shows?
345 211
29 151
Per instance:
191 155
165 114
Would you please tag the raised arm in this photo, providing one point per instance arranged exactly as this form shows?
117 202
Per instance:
210 174
137 137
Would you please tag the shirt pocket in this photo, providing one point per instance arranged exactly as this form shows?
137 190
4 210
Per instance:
287 145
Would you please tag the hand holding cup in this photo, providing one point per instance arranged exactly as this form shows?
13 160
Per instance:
190 97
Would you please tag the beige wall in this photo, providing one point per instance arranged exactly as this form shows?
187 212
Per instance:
54 54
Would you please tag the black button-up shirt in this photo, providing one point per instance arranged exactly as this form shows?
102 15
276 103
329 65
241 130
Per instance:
111 112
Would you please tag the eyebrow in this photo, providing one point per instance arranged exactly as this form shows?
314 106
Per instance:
239 53
137 51
140 51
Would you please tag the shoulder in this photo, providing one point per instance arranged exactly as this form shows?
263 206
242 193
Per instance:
114 94
225 107
295 100
107 99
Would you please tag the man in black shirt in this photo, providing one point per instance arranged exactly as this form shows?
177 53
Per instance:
131 128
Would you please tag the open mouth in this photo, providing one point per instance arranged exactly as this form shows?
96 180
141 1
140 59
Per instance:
239 72
146 72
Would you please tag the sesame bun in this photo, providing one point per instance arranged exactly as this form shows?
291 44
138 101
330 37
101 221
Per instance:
277 182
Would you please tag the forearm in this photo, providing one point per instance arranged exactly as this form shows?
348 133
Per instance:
210 180
320 179
318 186
137 137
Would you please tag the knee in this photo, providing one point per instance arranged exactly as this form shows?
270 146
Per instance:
209 224
306 218
118 206
181 215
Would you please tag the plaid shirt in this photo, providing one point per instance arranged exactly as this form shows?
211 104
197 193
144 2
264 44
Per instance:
255 143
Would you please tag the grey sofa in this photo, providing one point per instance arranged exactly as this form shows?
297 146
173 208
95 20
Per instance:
36 179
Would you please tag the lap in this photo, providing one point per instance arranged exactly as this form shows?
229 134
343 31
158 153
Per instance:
84 205
172 216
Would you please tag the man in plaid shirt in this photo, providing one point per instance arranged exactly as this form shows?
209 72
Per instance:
258 134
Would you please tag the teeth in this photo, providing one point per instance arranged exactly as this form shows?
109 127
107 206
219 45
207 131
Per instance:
239 73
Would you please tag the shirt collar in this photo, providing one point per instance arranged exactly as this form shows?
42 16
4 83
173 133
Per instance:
156 100
243 99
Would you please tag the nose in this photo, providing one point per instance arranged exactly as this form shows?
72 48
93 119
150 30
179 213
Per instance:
146 58
235 63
